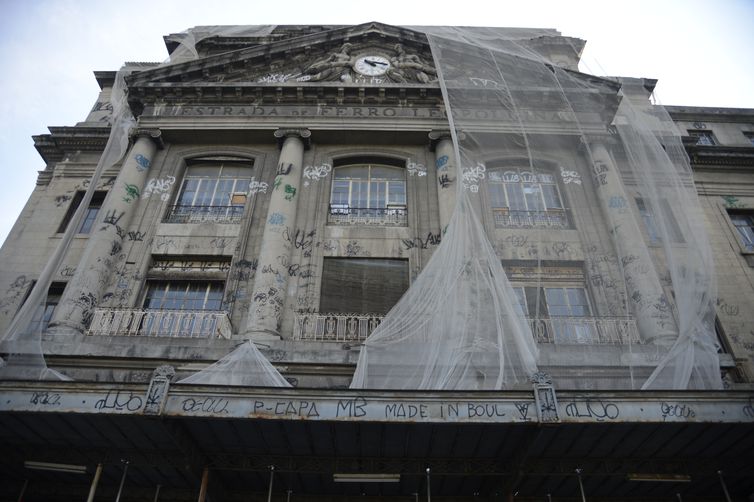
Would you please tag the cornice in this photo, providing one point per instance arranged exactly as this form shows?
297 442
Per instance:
720 156
61 140
710 114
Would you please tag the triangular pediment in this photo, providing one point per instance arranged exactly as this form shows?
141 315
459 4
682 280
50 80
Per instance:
371 53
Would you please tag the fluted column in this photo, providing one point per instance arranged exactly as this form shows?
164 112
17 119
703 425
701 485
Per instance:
446 168
99 259
271 282
645 294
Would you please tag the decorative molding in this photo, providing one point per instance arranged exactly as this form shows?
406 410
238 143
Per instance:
157 393
153 134
302 133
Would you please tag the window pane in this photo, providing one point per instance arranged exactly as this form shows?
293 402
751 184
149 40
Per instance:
516 196
533 197
223 191
184 295
397 193
386 173
89 218
552 198
377 195
190 185
205 192
352 173
340 193
520 301
496 192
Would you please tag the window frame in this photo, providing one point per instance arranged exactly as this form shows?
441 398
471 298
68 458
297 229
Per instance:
534 286
197 210
746 242
505 180
186 285
91 213
650 228
379 205
329 265
704 137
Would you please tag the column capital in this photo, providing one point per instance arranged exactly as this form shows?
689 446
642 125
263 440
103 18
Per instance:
286 132
151 133
607 139
437 135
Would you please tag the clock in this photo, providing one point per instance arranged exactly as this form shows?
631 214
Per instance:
372 66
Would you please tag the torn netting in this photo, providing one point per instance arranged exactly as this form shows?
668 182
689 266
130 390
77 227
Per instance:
516 116
244 366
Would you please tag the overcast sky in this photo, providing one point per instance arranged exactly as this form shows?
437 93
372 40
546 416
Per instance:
699 50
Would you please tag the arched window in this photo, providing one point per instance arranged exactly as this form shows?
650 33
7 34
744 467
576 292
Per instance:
368 191
212 190
522 198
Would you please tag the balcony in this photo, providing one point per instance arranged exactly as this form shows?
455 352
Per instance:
506 218
322 327
392 215
205 214
161 323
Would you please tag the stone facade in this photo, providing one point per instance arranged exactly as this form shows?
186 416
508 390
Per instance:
282 118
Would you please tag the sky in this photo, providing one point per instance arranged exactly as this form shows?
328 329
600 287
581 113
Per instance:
49 49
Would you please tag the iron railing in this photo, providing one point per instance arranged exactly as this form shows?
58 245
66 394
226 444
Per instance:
204 214
558 330
506 218
341 214
161 323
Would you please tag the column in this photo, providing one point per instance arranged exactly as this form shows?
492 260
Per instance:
645 294
271 282
445 165
101 254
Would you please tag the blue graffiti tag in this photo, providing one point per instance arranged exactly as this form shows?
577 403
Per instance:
142 161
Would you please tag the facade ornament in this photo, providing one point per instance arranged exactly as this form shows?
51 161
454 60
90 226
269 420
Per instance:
157 393
541 378
337 66
544 397
152 133
410 68
302 133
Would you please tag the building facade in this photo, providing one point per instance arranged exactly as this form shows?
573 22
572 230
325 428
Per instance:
287 186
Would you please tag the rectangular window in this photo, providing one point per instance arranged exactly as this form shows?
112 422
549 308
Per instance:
362 285
654 227
744 223
703 138
44 312
554 299
90 216
184 295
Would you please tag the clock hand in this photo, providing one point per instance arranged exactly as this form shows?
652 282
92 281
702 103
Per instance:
374 63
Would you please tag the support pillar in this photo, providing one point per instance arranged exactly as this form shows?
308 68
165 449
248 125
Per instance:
445 165
95 482
271 282
645 294
105 244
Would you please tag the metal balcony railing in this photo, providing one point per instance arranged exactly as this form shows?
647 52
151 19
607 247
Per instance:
161 323
506 218
392 215
558 330
205 214
334 327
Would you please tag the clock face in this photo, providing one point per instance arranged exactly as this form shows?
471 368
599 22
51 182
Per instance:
372 65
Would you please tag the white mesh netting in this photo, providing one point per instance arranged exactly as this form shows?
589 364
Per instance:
457 327
515 115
